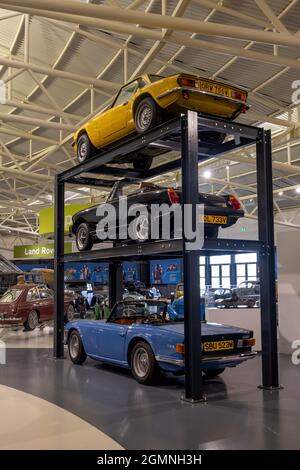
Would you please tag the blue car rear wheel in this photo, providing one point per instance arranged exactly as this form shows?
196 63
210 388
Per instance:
143 364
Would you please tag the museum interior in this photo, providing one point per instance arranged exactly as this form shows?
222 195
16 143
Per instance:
149 225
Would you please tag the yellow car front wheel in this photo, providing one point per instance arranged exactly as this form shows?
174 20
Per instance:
85 148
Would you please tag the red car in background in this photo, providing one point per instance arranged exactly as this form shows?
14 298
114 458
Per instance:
31 304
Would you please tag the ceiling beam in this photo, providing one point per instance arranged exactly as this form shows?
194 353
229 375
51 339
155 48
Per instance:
26 135
59 74
154 20
269 13
36 122
40 109
230 12
176 38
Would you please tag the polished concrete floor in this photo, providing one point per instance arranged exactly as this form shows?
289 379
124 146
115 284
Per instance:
237 414
30 423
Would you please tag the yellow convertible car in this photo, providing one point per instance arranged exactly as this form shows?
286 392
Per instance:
149 100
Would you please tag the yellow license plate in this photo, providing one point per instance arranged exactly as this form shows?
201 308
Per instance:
215 219
214 88
218 345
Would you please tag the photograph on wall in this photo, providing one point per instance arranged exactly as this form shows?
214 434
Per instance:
166 271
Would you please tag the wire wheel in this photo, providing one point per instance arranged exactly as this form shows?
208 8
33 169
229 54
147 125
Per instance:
70 313
82 152
144 116
147 115
85 148
32 320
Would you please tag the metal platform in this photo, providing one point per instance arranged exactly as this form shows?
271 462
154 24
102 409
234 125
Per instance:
166 137
164 249
182 134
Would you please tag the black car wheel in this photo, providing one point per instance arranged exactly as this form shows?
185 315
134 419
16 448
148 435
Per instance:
213 373
251 303
76 350
147 115
84 240
211 232
141 229
32 321
143 364
85 148
212 137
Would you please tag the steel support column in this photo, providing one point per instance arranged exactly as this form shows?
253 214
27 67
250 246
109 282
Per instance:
115 282
270 378
59 194
192 321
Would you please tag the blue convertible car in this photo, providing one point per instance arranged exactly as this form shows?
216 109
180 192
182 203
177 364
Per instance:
146 336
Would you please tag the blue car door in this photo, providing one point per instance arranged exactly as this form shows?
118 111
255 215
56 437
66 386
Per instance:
111 341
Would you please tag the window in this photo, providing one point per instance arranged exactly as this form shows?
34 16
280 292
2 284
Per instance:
10 296
220 271
33 294
155 78
45 294
202 271
125 93
246 267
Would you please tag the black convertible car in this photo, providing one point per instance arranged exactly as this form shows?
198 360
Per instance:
219 211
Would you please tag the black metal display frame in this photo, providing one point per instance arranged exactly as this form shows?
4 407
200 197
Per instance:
180 134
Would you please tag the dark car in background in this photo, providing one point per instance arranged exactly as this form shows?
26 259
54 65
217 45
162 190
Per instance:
247 294
29 305
219 211
216 294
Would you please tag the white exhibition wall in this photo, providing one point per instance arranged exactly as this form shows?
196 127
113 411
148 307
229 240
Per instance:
288 244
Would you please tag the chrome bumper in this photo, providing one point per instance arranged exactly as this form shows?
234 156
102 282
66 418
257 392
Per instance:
202 92
216 359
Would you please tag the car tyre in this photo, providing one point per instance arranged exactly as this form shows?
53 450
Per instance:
251 303
76 350
213 373
70 313
141 229
32 321
147 115
84 240
143 363
85 149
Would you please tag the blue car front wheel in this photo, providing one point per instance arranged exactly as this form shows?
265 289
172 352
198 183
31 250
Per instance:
76 350
143 364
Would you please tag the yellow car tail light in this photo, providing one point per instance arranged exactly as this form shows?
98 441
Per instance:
187 82
239 95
